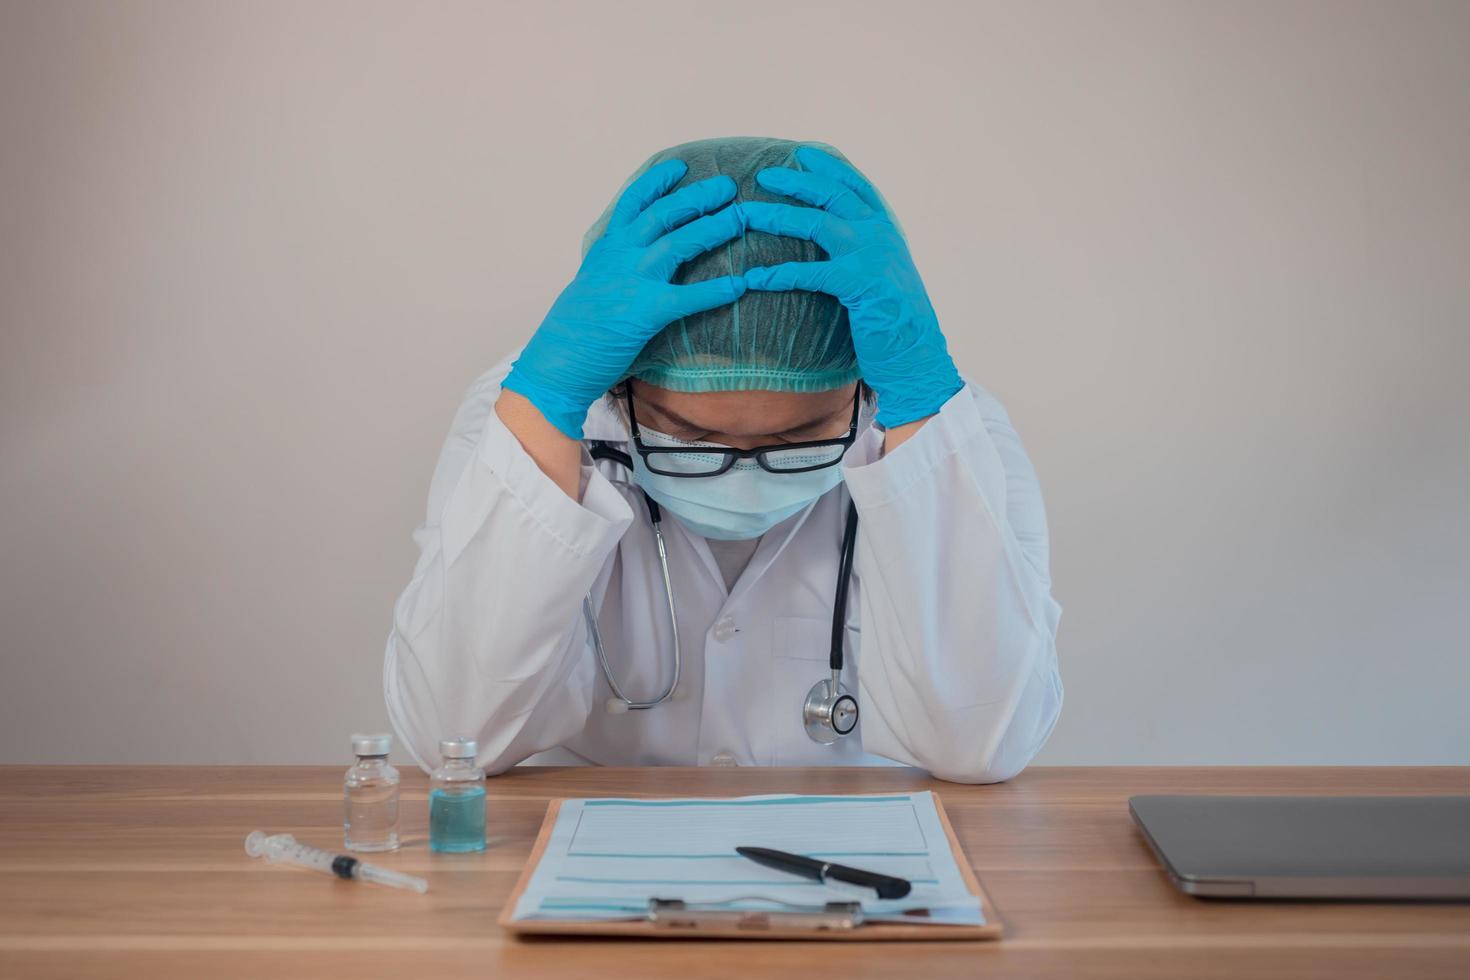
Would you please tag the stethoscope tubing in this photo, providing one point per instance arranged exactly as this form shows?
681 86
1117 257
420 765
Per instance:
601 450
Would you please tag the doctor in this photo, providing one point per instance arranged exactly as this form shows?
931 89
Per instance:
746 375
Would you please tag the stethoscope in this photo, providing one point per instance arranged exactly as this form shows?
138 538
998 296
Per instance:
830 710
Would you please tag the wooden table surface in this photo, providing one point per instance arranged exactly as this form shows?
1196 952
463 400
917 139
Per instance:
141 871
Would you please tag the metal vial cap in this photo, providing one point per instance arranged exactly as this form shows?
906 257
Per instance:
458 748
371 744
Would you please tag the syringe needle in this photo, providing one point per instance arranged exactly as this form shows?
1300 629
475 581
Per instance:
393 879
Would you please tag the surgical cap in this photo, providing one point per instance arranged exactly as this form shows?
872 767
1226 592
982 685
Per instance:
770 341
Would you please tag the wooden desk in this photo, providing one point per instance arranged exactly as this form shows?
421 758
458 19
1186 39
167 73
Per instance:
142 872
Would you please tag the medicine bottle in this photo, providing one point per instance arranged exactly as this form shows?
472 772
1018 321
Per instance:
457 799
370 797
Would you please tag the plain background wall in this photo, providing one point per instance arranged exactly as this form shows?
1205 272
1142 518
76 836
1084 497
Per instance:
1214 257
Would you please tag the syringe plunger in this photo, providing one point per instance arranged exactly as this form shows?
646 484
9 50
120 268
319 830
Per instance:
285 849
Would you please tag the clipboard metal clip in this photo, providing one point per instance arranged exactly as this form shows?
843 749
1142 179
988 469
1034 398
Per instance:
672 913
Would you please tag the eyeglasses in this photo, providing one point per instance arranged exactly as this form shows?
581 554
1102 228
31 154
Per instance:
788 457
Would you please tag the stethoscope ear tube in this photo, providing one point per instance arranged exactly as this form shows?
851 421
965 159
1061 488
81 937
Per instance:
844 575
620 702
601 450
830 711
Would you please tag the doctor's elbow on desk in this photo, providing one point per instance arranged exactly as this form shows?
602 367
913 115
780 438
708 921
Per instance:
972 750
981 767
995 768
512 719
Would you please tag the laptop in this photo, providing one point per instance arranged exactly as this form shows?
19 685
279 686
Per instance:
1360 847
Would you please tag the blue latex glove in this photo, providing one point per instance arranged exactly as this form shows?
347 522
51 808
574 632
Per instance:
622 296
899 347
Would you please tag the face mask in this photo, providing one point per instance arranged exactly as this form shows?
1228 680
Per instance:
743 502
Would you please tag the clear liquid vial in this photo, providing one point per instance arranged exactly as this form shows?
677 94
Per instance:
370 797
457 799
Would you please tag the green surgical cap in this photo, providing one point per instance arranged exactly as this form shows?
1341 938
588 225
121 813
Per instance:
769 341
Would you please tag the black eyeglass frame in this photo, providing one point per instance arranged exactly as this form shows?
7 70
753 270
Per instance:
731 456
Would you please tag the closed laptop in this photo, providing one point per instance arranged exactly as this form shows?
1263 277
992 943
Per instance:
1344 847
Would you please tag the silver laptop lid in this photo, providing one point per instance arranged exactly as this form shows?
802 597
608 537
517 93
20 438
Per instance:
1311 846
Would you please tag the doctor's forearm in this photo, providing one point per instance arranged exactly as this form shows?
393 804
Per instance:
558 456
900 434
958 665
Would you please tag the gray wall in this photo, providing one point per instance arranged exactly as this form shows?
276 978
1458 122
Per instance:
1213 256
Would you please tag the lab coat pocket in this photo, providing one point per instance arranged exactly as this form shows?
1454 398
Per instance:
802 638
802 648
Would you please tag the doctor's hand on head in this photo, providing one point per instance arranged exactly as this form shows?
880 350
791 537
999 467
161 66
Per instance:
620 298
900 349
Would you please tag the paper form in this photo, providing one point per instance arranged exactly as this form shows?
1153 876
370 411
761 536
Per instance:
607 857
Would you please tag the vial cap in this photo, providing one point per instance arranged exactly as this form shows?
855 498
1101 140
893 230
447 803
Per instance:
459 748
371 744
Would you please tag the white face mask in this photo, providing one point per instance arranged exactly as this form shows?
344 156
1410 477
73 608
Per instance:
744 502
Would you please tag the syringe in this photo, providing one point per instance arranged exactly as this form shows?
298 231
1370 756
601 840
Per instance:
283 848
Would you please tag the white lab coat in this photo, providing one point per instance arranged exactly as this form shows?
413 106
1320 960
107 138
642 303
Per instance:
950 622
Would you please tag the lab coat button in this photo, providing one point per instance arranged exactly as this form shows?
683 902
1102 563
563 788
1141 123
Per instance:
725 629
723 759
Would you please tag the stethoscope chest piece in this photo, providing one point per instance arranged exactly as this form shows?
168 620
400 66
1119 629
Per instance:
830 711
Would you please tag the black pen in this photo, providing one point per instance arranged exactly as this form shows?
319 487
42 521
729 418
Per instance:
885 885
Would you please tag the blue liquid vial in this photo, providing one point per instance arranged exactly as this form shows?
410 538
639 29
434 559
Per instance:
457 799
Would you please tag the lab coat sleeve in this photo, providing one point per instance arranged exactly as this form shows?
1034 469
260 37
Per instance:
958 671
488 638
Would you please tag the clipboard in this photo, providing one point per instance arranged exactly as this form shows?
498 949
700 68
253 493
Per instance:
672 919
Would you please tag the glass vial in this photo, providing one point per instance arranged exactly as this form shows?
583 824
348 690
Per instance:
457 799
370 797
